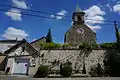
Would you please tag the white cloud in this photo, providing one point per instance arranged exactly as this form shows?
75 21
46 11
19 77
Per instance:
94 15
93 20
95 27
13 33
94 11
15 14
116 8
59 15
19 4
108 6
62 12
100 5
52 16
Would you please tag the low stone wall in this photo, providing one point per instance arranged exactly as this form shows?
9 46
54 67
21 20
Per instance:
74 56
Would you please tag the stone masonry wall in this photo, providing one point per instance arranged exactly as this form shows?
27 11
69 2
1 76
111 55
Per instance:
93 58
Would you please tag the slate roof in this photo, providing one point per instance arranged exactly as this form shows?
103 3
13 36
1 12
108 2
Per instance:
38 39
5 41
6 44
13 48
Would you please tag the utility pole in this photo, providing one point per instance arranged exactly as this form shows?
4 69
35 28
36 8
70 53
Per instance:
117 34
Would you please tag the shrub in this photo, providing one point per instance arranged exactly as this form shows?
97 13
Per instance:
50 45
66 69
42 45
66 46
108 45
88 45
41 72
93 71
112 63
96 71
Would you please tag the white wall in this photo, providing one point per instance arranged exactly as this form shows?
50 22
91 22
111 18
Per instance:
17 52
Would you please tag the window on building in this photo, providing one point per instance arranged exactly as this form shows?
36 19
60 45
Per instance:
23 49
79 18
32 62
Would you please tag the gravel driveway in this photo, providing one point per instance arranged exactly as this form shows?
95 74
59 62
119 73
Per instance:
30 78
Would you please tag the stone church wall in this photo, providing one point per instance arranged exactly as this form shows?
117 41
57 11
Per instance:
93 58
74 38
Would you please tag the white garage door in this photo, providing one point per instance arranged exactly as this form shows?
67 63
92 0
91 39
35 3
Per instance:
21 67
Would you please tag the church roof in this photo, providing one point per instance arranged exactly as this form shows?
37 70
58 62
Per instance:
78 8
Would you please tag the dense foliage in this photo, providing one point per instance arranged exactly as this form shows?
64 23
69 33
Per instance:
112 63
96 71
117 36
88 45
108 45
84 45
41 72
50 45
66 46
66 69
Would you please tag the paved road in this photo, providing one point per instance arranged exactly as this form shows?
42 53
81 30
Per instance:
29 78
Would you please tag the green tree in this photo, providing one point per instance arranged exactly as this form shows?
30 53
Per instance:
49 36
117 34
41 72
66 69
118 37
112 63
96 70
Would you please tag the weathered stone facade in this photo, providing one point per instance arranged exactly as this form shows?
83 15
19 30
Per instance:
74 38
79 32
91 59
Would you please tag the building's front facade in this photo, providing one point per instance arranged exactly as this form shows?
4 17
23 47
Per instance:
79 32
22 59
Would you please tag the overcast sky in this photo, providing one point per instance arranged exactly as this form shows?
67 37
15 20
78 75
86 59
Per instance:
14 24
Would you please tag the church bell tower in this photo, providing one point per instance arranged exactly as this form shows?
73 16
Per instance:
79 31
78 16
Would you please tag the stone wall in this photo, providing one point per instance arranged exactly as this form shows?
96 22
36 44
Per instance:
74 38
91 59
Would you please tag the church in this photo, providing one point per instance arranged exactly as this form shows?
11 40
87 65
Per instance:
79 32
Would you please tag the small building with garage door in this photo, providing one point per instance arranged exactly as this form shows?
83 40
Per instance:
22 59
